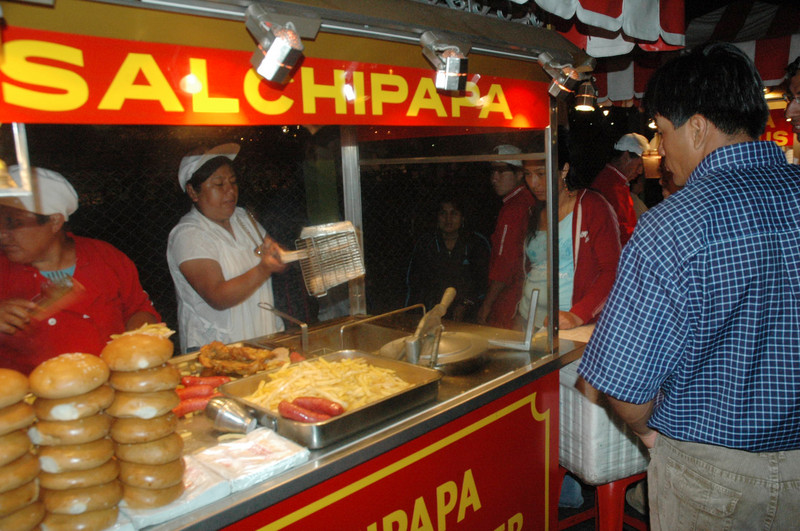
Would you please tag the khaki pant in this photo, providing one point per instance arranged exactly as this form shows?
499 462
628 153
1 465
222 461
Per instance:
705 487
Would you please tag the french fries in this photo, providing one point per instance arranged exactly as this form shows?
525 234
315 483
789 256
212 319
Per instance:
350 382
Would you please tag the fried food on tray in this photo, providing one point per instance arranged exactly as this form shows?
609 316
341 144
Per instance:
240 360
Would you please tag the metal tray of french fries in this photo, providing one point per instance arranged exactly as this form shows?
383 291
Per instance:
423 386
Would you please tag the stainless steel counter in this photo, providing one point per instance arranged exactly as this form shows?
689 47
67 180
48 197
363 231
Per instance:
504 371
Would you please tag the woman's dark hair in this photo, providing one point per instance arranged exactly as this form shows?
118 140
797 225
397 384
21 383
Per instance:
206 170
573 178
717 81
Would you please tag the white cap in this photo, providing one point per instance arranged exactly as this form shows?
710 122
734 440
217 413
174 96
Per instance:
633 142
193 161
508 149
52 193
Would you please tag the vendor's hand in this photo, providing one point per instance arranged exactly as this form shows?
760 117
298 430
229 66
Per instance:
271 256
567 320
15 314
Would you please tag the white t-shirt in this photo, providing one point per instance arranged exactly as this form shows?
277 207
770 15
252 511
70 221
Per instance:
196 237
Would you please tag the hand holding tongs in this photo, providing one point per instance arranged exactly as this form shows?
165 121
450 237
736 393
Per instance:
431 323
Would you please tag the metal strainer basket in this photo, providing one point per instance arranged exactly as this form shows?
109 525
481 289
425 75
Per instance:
329 255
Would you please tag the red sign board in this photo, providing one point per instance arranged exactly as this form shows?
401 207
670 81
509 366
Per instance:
778 129
49 77
493 468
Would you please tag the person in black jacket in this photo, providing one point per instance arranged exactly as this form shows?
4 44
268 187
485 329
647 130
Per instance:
451 256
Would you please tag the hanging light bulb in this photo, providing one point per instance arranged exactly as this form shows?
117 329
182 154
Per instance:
586 97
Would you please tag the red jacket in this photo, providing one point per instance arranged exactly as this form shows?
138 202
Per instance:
614 187
506 262
112 295
595 253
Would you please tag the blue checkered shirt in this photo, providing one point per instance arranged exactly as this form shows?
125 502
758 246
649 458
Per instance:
705 314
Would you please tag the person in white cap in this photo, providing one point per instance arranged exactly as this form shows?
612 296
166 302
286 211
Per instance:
506 273
220 258
102 294
612 181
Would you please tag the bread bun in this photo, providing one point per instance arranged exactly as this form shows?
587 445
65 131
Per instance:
14 499
156 452
13 445
18 472
67 458
14 385
134 352
151 476
91 521
139 498
159 378
135 430
15 417
74 407
58 432
25 519
68 375
143 405
77 479
79 501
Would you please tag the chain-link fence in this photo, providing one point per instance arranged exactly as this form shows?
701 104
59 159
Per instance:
126 179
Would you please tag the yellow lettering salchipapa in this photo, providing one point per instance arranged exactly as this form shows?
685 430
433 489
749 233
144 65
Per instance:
446 498
123 87
73 91
398 517
495 101
472 95
379 88
426 97
202 101
515 522
252 82
420 520
360 103
469 495
312 91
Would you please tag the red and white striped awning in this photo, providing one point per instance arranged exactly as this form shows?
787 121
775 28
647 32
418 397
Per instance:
615 27
610 30
621 79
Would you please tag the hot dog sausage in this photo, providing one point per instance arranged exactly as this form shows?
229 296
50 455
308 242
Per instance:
319 405
213 381
194 391
301 414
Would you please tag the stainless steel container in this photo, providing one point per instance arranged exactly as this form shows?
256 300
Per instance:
424 388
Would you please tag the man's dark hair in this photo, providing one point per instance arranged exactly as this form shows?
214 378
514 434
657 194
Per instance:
793 68
717 81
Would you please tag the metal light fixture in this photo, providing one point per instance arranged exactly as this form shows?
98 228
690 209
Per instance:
565 77
279 45
449 56
586 97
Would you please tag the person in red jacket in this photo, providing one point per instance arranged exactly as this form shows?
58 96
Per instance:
612 181
505 264
101 296
589 249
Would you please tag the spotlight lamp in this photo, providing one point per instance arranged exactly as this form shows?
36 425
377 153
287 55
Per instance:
449 56
565 77
586 97
279 45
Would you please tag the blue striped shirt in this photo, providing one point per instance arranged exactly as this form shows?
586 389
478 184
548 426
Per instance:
705 314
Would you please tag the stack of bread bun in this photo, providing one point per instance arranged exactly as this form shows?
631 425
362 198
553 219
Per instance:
78 478
149 451
19 468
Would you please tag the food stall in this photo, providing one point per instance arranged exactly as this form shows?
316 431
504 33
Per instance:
482 452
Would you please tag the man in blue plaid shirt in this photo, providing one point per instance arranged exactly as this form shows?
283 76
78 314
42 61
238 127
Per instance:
698 347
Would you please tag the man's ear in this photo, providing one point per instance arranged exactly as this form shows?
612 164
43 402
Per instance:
698 130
